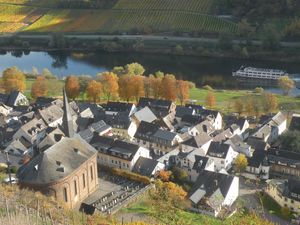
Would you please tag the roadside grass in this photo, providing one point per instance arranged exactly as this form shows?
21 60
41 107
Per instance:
271 205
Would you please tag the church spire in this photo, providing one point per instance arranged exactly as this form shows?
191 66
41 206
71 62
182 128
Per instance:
67 123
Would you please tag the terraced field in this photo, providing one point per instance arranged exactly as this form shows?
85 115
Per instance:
200 6
126 16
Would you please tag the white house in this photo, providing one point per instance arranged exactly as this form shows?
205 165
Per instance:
148 167
222 154
213 192
201 141
118 154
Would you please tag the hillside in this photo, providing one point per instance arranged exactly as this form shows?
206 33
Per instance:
123 16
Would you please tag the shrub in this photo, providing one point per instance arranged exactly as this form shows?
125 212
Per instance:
259 90
208 87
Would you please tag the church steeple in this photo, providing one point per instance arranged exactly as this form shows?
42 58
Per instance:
67 123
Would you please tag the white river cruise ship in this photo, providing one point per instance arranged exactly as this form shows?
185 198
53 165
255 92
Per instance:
258 73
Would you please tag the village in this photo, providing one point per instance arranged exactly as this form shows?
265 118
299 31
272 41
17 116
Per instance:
66 150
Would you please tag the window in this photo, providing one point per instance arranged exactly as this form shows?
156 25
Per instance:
92 175
65 194
75 188
83 180
222 162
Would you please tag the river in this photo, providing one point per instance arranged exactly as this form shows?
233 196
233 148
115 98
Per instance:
201 70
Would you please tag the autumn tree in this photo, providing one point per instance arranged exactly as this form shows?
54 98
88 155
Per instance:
240 163
286 84
249 106
125 87
13 80
94 90
270 102
72 86
164 175
134 69
110 85
238 106
147 86
155 86
137 87
210 100
39 88
183 91
168 89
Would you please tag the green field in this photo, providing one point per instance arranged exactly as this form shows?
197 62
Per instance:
126 16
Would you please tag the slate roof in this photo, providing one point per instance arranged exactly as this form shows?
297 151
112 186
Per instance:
154 103
295 123
145 166
145 114
51 114
197 141
289 158
33 126
198 108
212 186
10 99
120 120
164 135
101 142
57 162
218 150
205 126
192 119
118 106
257 159
4 98
201 162
183 110
146 130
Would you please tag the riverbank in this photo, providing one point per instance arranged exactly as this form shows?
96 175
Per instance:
186 46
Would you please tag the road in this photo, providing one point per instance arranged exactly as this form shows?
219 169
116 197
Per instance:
249 197
144 38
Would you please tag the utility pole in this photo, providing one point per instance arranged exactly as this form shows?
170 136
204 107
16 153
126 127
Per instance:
8 167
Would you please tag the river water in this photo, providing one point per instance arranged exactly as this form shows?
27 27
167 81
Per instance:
201 70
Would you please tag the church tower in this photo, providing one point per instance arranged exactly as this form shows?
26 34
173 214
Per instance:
67 123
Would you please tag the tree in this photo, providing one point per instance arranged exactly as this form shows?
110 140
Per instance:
13 80
83 83
39 88
249 107
155 86
125 87
94 90
110 85
169 87
271 37
164 175
210 100
238 106
134 69
270 102
290 141
285 212
179 175
138 89
183 91
47 74
240 163
286 84
72 87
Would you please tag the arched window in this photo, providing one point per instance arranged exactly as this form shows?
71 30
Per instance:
65 194
75 188
92 174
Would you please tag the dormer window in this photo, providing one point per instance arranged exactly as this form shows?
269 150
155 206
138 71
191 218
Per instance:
58 163
36 167
76 150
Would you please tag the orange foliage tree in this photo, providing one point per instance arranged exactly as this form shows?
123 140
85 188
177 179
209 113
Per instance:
183 91
270 102
72 86
138 89
39 88
125 90
13 80
110 84
210 100
155 86
168 89
164 175
94 90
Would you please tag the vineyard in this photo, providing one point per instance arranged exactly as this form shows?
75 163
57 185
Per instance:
126 16
111 21
200 6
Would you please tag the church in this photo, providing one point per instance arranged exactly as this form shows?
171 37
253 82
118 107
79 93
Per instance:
66 170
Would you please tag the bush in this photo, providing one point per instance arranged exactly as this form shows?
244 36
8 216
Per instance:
207 87
259 90
13 169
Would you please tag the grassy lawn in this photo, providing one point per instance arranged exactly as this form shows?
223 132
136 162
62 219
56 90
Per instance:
225 98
